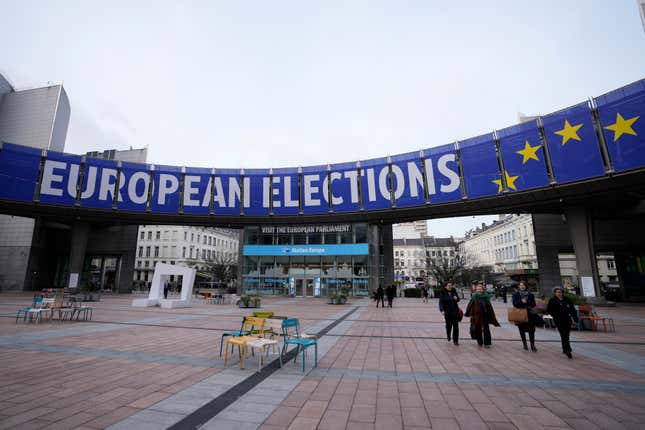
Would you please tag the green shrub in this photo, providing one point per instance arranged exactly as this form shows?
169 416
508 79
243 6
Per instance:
575 299
412 292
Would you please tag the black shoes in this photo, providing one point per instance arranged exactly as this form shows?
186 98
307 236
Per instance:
456 342
533 348
526 348
568 354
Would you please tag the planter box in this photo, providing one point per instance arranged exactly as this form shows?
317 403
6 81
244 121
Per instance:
250 305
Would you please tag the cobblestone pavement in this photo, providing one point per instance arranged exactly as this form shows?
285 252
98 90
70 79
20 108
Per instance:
377 368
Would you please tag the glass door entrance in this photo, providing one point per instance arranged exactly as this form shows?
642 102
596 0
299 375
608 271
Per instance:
304 287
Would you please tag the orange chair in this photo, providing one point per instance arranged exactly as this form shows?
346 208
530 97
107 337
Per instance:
250 324
585 313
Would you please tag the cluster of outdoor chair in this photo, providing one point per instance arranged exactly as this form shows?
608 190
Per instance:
262 332
47 308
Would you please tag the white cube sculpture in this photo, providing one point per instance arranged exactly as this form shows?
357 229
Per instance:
155 297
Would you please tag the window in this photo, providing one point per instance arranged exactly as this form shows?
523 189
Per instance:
147 251
158 235
143 235
198 236
149 235
156 251
208 254
210 240
147 263
185 235
203 254
192 237
205 240
141 251
611 264
139 263
183 252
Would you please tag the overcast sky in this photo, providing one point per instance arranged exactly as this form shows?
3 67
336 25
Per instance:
280 84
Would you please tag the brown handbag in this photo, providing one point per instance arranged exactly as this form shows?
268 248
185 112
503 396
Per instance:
518 315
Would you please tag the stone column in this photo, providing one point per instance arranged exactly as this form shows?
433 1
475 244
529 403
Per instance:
581 230
388 254
80 233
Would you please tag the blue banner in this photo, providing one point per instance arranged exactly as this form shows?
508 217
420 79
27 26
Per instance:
375 184
572 143
407 177
344 187
99 183
308 250
284 191
622 115
166 189
134 184
19 168
479 163
227 191
314 190
523 157
60 179
197 190
442 174
256 191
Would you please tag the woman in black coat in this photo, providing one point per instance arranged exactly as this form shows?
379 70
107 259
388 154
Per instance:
448 299
563 313
524 299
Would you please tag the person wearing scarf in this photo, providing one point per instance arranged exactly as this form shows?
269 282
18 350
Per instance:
524 299
481 314
563 313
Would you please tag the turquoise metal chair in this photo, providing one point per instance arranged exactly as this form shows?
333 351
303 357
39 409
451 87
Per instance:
235 333
292 337
25 311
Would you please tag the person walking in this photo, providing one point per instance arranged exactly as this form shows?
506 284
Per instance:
563 313
379 296
481 315
448 299
165 290
524 299
424 294
390 291
504 291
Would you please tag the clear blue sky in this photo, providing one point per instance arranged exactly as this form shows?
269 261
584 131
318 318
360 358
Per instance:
276 84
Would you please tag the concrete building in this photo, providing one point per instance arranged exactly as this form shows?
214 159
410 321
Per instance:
38 118
196 247
413 257
410 230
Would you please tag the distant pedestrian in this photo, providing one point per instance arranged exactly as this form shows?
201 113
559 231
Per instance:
394 289
424 294
379 296
504 291
481 314
165 290
390 291
448 299
563 313
524 299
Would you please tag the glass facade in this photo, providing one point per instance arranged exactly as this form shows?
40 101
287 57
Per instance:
341 262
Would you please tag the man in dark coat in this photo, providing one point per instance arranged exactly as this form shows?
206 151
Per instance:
389 292
448 299
379 296
563 313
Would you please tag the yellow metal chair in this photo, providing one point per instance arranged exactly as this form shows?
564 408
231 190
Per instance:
250 324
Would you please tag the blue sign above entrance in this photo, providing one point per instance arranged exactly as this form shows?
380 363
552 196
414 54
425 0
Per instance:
306 250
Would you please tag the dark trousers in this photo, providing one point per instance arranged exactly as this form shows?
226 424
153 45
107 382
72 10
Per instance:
527 328
486 339
389 301
452 327
504 297
564 335
380 299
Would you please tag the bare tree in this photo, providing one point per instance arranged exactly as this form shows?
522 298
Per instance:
221 268
443 269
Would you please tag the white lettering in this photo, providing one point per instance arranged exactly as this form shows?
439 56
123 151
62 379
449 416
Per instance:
335 200
108 180
168 184
49 178
275 192
121 185
266 187
448 173
415 178
288 202
430 177
371 185
310 189
190 188
206 201
352 175
234 192
132 187
218 193
400 180
72 180
325 189
383 183
90 182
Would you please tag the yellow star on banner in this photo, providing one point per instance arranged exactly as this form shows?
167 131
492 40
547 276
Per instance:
622 126
529 152
510 181
569 132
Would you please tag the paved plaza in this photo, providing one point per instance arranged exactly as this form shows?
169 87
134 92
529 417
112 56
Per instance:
134 368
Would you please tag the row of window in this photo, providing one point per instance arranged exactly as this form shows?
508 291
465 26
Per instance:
428 253
166 252
204 239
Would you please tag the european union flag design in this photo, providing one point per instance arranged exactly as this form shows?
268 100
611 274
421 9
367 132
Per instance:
442 173
227 188
285 191
19 166
165 195
258 201
313 192
69 178
622 115
522 156
344 187
375 184
572 144
479 162
197 190
136 199
407 175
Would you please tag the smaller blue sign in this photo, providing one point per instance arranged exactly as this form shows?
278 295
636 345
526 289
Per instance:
306 250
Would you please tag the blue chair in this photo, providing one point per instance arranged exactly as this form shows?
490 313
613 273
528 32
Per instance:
235 333
25 311
292 337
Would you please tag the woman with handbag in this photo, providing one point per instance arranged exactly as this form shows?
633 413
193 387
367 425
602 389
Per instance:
524 299
448 299
481 314
563 313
